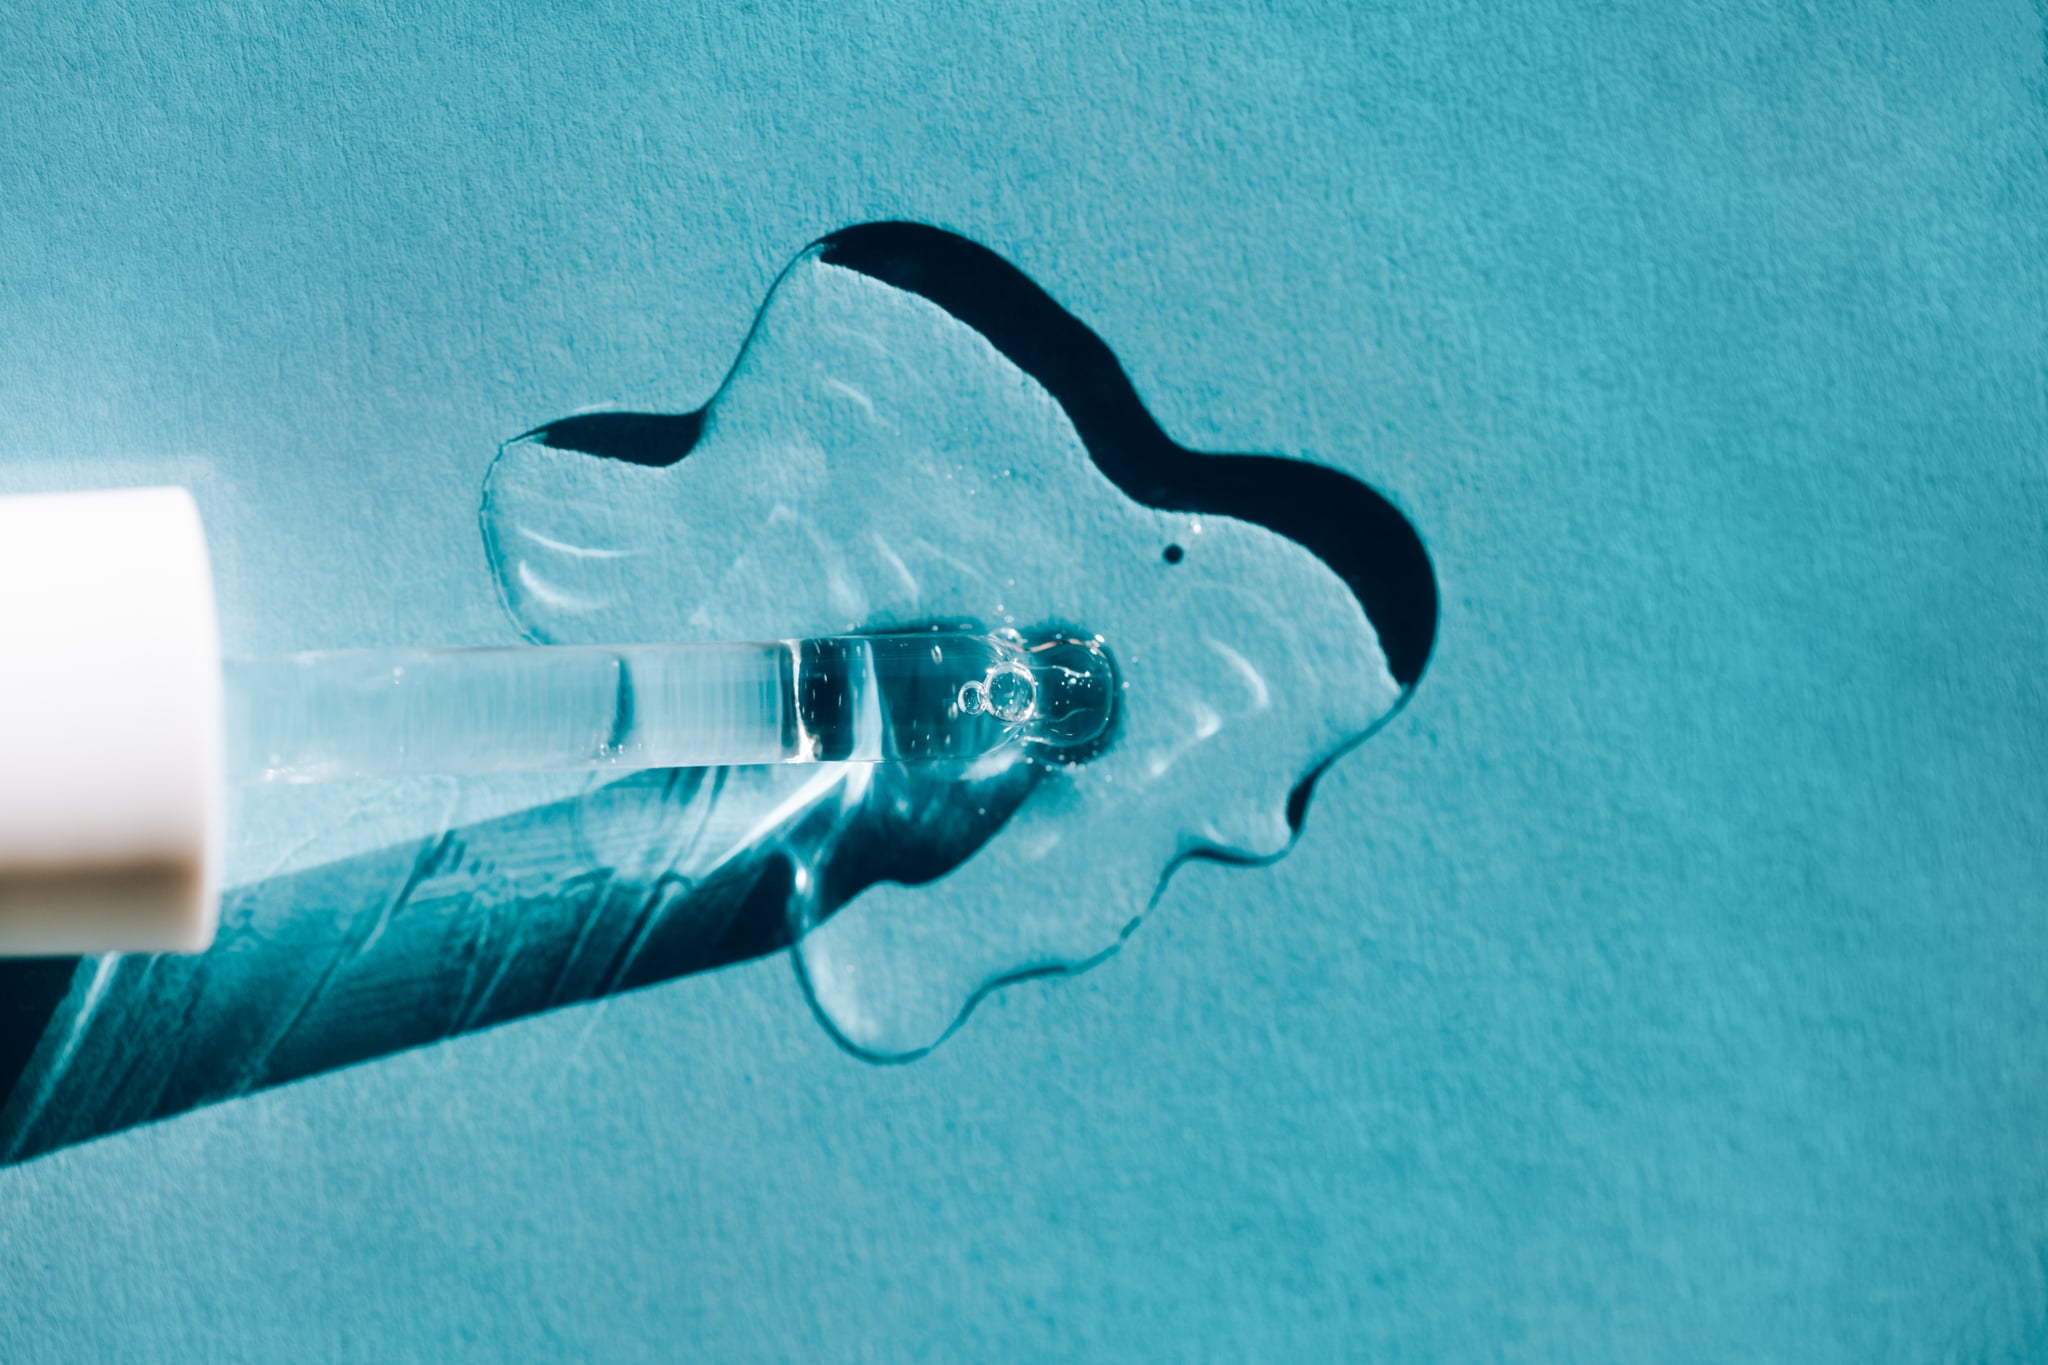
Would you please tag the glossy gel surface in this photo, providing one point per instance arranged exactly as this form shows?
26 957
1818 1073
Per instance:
875 464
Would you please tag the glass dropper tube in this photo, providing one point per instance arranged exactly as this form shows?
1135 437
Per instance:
924 696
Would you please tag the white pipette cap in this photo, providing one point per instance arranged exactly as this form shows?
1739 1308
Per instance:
110 725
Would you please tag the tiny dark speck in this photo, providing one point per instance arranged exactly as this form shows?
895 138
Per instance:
1174 554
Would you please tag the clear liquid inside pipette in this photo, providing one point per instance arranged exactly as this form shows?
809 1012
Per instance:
335 715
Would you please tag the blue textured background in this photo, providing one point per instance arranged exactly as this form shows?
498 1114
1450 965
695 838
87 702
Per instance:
1671 981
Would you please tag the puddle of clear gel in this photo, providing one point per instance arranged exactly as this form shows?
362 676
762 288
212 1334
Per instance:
873 463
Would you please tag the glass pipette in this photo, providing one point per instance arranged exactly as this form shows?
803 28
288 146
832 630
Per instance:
922 696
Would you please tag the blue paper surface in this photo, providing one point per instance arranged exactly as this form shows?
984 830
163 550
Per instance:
1667 982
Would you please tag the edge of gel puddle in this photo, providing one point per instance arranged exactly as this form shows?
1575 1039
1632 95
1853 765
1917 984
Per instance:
873 463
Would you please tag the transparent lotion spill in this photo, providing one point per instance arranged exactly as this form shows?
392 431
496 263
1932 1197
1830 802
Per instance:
874 464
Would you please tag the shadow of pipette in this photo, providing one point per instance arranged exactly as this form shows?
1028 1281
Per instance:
644 880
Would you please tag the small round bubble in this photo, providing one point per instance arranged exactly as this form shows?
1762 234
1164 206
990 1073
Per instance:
1011 694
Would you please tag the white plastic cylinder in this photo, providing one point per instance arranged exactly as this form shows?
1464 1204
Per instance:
110 725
